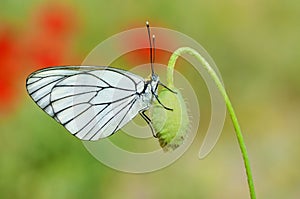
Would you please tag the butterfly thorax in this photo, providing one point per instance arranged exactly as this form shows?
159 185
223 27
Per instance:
147 96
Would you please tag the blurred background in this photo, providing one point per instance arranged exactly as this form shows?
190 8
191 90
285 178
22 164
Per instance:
256 46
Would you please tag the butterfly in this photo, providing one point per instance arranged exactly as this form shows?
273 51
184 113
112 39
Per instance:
94 102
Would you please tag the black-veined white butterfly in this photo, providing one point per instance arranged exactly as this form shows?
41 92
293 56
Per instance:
94 102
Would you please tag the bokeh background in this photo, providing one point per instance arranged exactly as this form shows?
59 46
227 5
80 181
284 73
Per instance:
254 43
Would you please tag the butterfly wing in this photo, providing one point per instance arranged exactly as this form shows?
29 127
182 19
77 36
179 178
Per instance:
90 102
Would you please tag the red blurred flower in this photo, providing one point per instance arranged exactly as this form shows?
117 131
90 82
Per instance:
56 19
142 56
45 51
46 41
8 65
49 43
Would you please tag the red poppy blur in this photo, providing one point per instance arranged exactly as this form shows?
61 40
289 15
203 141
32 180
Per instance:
45 51
56 19
142 56
46 41
49 43
9 66
8 51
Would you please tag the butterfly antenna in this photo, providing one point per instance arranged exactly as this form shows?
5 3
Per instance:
151 49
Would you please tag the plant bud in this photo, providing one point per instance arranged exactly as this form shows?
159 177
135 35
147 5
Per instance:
170 125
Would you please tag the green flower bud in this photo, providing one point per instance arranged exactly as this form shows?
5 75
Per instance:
171 126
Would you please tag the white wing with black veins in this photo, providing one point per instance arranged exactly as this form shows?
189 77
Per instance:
91 102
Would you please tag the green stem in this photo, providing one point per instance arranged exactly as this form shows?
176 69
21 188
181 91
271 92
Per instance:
221 88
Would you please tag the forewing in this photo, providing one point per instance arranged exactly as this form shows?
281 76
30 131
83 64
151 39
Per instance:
91 102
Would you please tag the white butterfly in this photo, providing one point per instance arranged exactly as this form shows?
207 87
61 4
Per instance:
93 102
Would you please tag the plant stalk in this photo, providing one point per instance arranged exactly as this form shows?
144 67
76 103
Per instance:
230 109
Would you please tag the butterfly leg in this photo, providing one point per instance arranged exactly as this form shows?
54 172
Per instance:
167 108
147 119
160 83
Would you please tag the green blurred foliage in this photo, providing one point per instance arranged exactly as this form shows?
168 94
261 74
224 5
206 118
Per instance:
254 43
